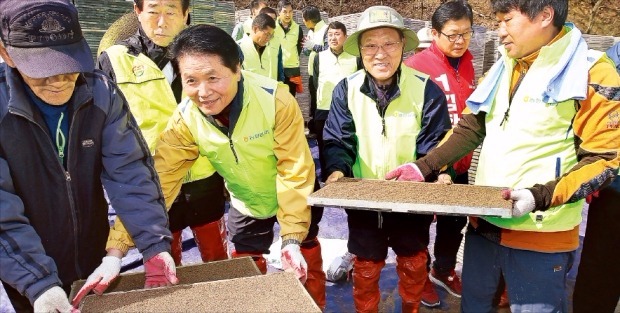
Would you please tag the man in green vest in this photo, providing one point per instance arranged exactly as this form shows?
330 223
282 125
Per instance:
260 56
330 67
315 42
381 117
142 70
251 130
245 28
290 36
546 114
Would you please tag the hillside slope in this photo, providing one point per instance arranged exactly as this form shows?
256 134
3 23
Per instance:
604 21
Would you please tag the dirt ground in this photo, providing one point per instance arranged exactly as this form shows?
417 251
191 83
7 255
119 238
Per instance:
604 21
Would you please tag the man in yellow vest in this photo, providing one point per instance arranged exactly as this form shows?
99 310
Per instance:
251 130
260 55
140 67
290 36
544 114
315 42
245 28
380 117
330 67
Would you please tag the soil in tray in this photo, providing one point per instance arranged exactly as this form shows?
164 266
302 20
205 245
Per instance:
411 192
280 292
211 271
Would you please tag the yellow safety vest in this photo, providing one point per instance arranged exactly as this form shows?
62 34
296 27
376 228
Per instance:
536 144
266 64
332 69
150 99
378 153
288 42
246 160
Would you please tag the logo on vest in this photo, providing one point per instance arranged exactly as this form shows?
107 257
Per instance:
528 99
138 70
614 120
404 114
256 136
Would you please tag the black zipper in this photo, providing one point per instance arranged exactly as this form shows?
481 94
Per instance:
512 95
232 148
382 114
67 177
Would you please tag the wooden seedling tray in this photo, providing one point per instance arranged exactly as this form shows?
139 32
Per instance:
277 292
195 273
411 197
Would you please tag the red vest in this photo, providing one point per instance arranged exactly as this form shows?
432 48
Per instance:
457 85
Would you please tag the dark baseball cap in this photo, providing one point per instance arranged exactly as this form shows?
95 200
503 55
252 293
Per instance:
44 37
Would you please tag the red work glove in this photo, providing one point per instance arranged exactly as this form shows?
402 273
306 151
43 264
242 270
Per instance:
406 172
292 260
160 271
100 279
591 197
522 201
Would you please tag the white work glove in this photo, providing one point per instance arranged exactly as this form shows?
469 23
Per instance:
100 279
406 172
522 201
293 261
53 300
340 267
160 271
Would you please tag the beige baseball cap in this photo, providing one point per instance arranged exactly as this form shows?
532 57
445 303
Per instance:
424 35
377 17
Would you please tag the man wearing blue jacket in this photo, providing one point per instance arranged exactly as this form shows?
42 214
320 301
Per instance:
66 133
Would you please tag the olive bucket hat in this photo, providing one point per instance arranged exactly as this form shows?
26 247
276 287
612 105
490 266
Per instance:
376 17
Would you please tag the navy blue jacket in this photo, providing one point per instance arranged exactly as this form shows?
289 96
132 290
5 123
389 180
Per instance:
54 222
340 143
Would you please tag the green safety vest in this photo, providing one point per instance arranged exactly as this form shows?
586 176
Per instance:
536 144
246 160
379 153
288 42
266 64
150 99
247 26
332 69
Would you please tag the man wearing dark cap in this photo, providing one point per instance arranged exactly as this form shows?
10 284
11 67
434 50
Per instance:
66 133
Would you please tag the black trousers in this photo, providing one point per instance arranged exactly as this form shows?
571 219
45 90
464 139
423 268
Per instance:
199 202
597 288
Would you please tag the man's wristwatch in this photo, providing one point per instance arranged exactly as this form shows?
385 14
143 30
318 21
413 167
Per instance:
290 241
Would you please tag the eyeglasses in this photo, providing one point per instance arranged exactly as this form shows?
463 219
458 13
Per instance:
388 47
455 37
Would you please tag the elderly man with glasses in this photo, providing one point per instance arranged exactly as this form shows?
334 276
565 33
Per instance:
382 116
